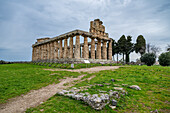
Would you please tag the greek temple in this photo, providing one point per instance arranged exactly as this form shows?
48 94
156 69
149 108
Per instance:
97 46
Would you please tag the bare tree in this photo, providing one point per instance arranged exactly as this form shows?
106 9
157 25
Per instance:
152 48
148 47
168 47
155 49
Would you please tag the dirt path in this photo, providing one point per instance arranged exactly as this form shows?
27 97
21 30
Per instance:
89 70
35 97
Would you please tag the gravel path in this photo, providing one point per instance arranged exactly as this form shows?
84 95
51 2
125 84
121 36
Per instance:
35 97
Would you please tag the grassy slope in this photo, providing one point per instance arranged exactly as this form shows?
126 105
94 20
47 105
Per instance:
17 79
154 82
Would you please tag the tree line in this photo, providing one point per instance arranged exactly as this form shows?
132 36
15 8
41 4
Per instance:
124 46
148 52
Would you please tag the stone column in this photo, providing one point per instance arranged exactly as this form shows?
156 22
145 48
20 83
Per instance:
33 52
110 50
48 51
36 53
56 49
40 52
61 50
71 47
92 48
52 50
68 52
104 50
86 48
43 52
65 48
98 56
77 47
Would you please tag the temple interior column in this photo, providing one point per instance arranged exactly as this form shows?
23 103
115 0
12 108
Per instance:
104 51
86 48
110 50
77 47
65 48
71 47
98 49
82 51
61 49
92 48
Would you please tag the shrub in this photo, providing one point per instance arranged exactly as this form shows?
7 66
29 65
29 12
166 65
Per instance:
148 58
164 59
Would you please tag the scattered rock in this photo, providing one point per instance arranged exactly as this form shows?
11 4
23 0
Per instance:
102 91
118 88
117 85
113 107
112 80
41 110
124 84
107 83
95 101
135 87
101 85
113 93
155 111
113 102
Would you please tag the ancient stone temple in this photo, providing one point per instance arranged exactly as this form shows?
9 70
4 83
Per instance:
96 46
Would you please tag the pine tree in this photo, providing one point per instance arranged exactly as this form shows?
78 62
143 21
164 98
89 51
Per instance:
121 45
129 47
140 45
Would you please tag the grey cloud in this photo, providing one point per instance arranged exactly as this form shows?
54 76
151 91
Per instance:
21 22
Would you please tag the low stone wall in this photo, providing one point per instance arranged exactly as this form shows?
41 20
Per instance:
77 61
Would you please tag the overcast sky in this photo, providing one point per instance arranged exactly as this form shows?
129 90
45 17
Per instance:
23 21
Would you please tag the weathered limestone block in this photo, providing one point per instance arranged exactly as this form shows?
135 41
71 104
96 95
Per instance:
65 48
86 48
77 47
71 47
92 48
98 49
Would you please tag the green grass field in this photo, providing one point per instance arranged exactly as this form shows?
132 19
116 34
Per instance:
17 79
154 82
